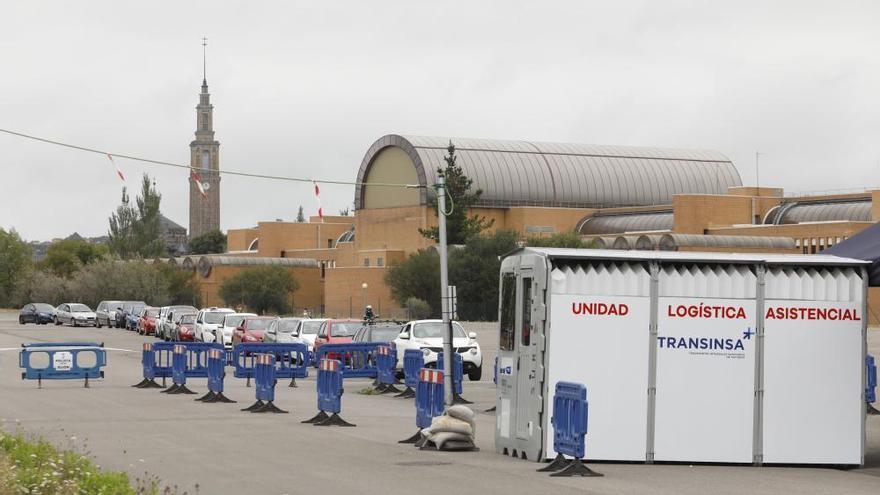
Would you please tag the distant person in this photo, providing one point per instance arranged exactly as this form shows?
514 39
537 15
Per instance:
368 314
306 314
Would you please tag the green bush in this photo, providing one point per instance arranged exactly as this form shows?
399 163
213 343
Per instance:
417 309
263 289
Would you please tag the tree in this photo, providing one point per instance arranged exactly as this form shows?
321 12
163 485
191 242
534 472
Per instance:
418 276
459 200
417 309
65 257
41 286
122 241
261 289
211 242
136 280
15 262
148 228
183 286
300 216
561 240
474 271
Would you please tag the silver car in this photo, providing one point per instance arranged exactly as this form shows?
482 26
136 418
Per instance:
283 330
166 322
75 314
105 313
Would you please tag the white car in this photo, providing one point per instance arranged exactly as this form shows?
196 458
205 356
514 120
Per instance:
209 320
223 333
75 314
308 331
427 336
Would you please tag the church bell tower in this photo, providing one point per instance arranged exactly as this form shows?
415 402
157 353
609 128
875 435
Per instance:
204 181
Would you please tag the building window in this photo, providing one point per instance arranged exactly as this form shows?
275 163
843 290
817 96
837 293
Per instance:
366 261
329 243
380 261
206 159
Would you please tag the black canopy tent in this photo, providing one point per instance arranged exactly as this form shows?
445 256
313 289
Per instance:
863 246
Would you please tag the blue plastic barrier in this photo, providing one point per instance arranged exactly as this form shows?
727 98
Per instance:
291 360
570 413
413 361
178 371
871 383
386 364
264 382
148 362
162 357
429 401
457 376
330 379
358 360
62 361
216 374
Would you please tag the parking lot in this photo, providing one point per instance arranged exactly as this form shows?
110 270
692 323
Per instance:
216 448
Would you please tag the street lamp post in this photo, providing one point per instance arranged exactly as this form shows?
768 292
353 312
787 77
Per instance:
364 287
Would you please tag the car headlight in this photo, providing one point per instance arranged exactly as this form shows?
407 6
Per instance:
474 351
426 352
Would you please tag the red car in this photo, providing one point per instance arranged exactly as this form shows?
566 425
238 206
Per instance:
146 324
251 329
186 331
336 332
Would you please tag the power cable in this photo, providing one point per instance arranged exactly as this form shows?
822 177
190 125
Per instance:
200 169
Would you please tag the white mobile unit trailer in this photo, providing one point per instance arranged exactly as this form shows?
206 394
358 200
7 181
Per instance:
687 357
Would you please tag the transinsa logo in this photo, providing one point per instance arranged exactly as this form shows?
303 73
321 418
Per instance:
730 347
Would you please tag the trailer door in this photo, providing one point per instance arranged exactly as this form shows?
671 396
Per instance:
525 363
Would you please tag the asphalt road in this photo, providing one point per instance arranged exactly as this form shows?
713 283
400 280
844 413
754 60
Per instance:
217 449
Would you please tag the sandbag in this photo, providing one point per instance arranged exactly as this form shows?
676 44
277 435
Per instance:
439 439
442 424
461 412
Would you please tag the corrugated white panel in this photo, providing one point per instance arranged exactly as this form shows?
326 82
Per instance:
621 279
811 284
708 281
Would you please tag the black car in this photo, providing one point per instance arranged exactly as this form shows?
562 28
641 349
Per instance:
384 332
125 308
39 313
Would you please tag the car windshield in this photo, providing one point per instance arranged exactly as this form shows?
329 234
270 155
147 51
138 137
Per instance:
152 313
44 307
344 329
79 308
136 308
288 326
384 334
188 319
232 321
214 317
434 330
258 323
310 327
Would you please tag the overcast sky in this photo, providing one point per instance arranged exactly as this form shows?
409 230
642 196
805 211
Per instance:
303 89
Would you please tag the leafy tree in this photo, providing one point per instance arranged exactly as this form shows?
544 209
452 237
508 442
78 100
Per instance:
64 258
418 276
122 241
183 285
126 281
474 271
262 289
212 241
148 228
41 286
15 262
459 200
300 216
561 240
417 309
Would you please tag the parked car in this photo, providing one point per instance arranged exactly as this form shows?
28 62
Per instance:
427 336
223 333
127 307
184 327
39 313
308 331
384 332
105 313
283 330
147 321
251 329
75 314
336 332
208 320
165 323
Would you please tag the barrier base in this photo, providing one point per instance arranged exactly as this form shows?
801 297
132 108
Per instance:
210 395
181 389
491 409
457 399
388 388
577 468
450 446
558 463
321 416
269 407
413 439
170 390
406 394
220 398
147 383
256 405
292 383
333 420
872 410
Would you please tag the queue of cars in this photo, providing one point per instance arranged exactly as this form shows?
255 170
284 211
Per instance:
187 323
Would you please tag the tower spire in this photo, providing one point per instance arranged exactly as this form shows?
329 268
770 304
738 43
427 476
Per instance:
204 61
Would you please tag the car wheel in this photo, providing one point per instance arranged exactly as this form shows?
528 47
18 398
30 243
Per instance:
97 323
73 322
476 374
55 319
21 320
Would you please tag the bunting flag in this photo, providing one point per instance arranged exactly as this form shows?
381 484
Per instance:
118 170
198 180
318 197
